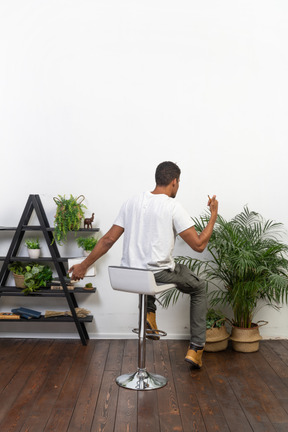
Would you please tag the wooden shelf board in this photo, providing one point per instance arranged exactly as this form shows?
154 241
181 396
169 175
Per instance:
12 291
39 228
43 259
42 319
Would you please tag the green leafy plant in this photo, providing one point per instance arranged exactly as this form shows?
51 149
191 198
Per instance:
17 268
87 243
247 265
32 244
68 216
214 319
35 275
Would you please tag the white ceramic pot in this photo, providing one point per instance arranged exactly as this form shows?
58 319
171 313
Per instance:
34 253
86 253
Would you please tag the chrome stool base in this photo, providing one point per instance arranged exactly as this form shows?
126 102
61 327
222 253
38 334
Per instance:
143 283
141 380
151 332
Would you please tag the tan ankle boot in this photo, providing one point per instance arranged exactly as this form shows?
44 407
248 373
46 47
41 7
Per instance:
152 326
194 357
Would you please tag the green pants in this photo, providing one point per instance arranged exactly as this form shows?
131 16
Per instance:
188 283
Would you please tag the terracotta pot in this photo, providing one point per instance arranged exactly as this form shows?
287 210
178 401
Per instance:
216 339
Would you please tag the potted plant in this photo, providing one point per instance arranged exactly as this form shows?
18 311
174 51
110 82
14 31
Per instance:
69 215
18 271
34 276
87 244
248 267
216 332
33 247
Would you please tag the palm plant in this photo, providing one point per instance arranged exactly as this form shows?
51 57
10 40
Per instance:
248 263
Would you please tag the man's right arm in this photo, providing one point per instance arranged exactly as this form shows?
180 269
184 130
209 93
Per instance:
198 242
104 244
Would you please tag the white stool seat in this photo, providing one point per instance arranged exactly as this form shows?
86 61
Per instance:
141 282
138 281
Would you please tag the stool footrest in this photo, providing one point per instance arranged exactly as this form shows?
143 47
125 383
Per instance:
141 380
150 332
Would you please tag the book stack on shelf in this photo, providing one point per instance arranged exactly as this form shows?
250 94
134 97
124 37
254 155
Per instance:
26 313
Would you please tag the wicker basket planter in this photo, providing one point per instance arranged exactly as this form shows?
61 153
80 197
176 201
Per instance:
216 339
246 339
19 280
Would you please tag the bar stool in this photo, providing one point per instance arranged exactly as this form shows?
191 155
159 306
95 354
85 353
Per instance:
141 282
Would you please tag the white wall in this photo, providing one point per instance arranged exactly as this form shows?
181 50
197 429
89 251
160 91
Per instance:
94 94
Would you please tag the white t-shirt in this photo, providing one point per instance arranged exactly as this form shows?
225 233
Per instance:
151 223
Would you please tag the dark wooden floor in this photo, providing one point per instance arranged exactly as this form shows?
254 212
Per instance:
56 385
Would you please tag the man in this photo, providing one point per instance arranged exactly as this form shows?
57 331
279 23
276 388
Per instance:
150 222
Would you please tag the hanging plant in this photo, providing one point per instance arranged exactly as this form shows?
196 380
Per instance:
69 215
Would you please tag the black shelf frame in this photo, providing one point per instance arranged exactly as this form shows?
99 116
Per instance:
34 203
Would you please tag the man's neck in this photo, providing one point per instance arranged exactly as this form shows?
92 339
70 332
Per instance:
166 190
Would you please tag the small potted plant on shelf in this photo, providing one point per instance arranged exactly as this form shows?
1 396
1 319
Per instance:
18 270
33 247
69 214
34 276
87 244
216 332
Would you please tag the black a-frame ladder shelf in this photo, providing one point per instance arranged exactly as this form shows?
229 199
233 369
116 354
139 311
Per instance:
34 203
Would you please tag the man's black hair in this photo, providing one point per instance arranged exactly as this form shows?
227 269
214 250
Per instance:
166 172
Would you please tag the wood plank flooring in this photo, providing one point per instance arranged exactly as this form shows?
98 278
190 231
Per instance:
62 386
